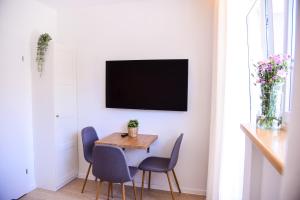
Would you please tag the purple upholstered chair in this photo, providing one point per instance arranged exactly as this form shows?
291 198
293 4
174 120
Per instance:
88 136
110 165
162 165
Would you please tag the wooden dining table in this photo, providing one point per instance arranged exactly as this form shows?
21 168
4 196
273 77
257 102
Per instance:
142 141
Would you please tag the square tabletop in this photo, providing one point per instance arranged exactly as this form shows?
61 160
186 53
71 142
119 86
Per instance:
142 141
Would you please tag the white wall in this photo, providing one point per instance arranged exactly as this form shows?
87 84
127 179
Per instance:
20 24
261 179
136 29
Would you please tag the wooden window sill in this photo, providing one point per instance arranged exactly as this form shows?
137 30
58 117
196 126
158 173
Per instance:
272 144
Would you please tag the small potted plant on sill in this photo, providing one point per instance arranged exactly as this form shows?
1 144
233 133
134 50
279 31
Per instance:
133 126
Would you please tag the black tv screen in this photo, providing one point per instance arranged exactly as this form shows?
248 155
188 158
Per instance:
147 84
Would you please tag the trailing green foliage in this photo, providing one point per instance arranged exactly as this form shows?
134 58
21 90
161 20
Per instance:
42 47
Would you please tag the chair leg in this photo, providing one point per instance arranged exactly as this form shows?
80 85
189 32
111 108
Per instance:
149 181
123 191
86 177
134 189
108 191
98 190
176 180
143 178
171 189
111 190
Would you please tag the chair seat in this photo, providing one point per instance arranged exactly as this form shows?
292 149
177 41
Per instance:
155 164
133 171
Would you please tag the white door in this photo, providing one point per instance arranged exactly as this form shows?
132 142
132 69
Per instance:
16 151
65 115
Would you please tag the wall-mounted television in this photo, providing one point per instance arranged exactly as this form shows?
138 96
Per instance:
147 84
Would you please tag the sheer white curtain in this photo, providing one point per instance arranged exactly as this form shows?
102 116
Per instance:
236 102
230 105
217 103
291 182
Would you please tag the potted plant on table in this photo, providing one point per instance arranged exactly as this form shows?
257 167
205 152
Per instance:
133 126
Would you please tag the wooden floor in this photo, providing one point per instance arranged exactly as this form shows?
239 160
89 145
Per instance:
72 191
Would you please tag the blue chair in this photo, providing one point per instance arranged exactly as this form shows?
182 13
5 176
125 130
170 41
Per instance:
162 165
110 165
88 136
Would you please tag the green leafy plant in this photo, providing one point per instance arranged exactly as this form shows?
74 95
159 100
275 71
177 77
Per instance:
42 47
133 123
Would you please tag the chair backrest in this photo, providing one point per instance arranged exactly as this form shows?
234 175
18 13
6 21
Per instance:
110 164
88 136
175 153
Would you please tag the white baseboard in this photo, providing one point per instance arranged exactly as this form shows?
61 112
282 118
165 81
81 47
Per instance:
32 187
166 188
186 190
82 175
67 179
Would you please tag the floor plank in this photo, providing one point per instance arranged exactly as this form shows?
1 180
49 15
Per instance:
72 191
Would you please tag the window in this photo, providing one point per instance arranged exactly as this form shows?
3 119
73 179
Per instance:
271 30
289 47
283 36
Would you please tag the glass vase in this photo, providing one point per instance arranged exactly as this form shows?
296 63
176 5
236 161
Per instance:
271 107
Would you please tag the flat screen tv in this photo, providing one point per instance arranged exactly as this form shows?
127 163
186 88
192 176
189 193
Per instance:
147 84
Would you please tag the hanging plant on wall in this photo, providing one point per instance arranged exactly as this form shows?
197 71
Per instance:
42 47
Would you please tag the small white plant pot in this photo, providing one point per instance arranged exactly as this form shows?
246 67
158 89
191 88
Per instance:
132 132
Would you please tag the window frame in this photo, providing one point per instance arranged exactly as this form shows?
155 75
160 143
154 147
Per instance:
268 44
288 42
